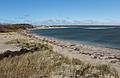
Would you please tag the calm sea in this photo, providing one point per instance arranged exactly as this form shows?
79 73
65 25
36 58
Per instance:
104 36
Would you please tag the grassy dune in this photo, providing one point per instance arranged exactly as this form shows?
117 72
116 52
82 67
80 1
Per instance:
45 63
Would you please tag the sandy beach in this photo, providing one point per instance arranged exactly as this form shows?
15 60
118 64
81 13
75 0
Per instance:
5 37
86 53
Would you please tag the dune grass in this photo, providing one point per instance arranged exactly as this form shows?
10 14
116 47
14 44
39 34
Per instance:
45 63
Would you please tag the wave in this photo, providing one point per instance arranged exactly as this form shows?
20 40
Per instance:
96 28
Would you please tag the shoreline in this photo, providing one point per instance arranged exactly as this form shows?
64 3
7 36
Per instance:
88 53
72 41
103 44
72 45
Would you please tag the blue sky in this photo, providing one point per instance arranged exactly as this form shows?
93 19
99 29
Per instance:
60 11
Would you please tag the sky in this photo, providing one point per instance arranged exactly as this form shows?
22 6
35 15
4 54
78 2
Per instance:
60 11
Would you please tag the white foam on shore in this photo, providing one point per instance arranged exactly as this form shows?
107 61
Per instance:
96 28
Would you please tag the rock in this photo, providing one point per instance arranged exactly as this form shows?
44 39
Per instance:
77 49
34 49
110 57
89 54
8 53
94 57
101 55
114 61
23 50
117 57
72 45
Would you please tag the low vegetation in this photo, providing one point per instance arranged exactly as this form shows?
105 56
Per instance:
45 63
14 27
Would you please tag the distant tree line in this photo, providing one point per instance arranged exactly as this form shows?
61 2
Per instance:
14 27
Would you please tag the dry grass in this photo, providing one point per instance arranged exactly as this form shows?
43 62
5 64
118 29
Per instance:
16 41
45 63
8 33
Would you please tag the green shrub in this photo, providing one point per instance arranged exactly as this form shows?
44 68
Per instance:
31 45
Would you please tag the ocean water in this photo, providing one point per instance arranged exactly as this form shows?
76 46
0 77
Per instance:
103 36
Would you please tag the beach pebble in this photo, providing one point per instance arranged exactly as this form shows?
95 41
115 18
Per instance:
117 57
77 49
23 50
110 57
114 61
93 56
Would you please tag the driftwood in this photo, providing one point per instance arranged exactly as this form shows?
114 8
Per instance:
11 54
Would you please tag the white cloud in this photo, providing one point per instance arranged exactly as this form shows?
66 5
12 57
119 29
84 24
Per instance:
75 22
28 19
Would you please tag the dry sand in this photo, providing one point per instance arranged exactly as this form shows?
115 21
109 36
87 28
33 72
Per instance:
5 37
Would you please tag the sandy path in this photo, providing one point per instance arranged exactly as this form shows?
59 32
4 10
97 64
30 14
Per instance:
4 47
5 37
